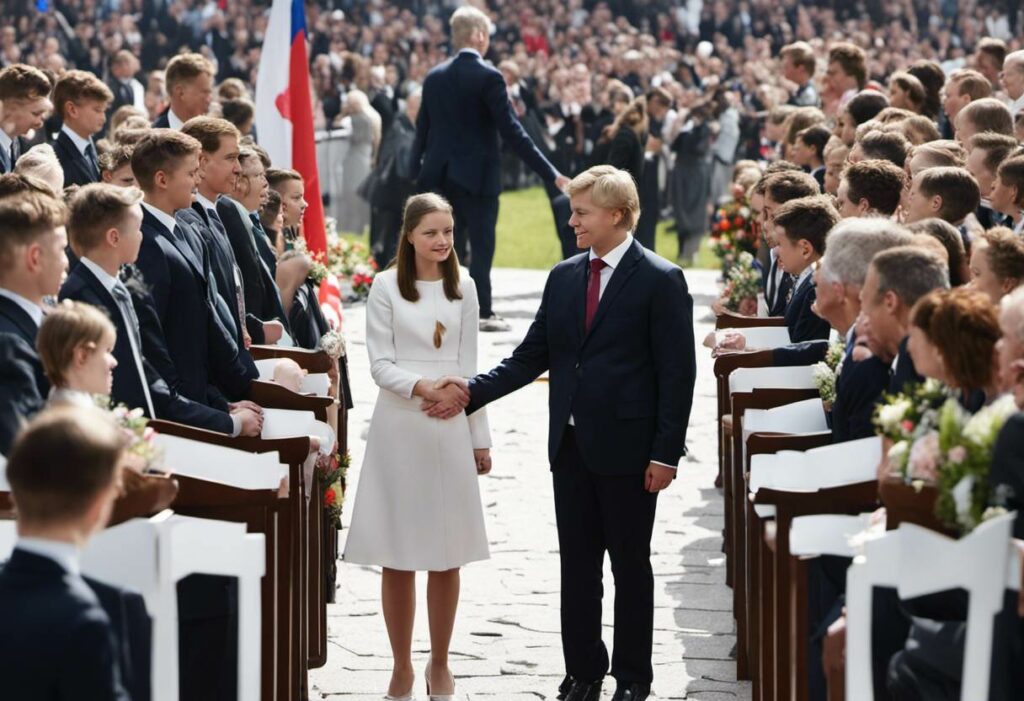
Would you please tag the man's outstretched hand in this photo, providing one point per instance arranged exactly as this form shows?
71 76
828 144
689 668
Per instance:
447 398
658 477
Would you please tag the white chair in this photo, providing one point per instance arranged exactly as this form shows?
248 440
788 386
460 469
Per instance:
749 379
151 555
214 463
825 534
918 561
759 336
317 383
807 416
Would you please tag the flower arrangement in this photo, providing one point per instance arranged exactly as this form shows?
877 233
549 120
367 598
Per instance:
333 470
732 234
826 373
965 443
143 452
905 418
333 344
318 270
352 261
743 283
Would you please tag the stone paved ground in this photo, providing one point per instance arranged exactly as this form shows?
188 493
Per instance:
506 643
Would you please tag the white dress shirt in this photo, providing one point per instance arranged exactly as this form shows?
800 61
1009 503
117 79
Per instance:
1016 105
30 308
80 143
612 259
64 554
207 204
175 122
5 145
807 272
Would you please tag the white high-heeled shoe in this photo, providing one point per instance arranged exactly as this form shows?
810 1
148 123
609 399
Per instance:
407 697
438 697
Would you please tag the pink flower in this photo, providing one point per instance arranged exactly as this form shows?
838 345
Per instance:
907 425
957 454
924 458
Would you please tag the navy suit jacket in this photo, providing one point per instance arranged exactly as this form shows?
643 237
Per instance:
806 353
262 298
465 109
181 334
628 383
57 641
163 121
905 373
23 386
858 388
77 168
776 304
82 285
803 323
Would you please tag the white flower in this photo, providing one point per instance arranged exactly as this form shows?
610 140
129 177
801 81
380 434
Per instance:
897 457
333 344
962 499
825 381
993 512
891 415
981 429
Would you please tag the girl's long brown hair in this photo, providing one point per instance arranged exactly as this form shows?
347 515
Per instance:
417 207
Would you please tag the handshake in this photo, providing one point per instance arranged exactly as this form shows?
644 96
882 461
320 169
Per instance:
443 398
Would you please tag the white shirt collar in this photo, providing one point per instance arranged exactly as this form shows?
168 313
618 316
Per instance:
102 275
5 141
74 397
614 256
808 271
163 217
31 308
78 141
64 554
468 50
1017 105
207 204
173 120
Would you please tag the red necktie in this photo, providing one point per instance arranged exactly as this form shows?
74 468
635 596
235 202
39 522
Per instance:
594 289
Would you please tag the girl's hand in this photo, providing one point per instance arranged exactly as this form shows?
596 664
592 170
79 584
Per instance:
483 460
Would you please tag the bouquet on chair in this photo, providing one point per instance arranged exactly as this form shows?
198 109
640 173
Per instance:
732 233
904 419
826 373
743 283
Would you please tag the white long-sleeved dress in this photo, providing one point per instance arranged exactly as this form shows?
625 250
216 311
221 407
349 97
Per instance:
418 502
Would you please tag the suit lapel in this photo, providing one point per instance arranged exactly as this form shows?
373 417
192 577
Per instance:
620 276
24 323
179 244
582 277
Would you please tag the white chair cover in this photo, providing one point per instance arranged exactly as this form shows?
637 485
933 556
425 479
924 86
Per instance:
825 534
749 379
759 336
807 416
215 463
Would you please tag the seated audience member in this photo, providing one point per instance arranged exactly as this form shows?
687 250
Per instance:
251 245
116 166
891 116
881 145
799 119
25 95
835 160
906 92
1007 195
986 151
76 347
862 107
32 263
895 280
801 229
104 228
809 151
933 155
953 336
947 193
41 162
131 132
1006 477
963 87
870 188
997 263
273 222
241 112
986 114
950 245
81 100
775 188
190 348
189 81
121 115
919 130
64 472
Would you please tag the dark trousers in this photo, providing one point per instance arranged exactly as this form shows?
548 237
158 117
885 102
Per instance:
649 209
476 217
208 638
385 227
598 513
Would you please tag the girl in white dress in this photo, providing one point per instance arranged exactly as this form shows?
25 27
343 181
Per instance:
418 505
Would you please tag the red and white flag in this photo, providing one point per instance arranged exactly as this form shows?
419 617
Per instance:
284 109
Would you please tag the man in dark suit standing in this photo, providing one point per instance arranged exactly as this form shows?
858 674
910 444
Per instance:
81 100
123 67
615 332
395 185
32 262
189 80
25 94
457 151
71 457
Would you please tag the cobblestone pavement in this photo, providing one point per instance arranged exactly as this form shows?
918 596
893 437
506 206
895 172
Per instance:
506 643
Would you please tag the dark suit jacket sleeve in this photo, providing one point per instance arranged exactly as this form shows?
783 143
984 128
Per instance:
232 366
809 326
496 97
806 353
1006 477
525 365
89 667
170 405
419 142
675 363
626 152
19 393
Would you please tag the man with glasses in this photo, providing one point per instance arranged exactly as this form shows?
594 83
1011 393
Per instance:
262 298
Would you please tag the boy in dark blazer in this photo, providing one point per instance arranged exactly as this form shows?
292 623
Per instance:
81 99
64 475
25 94
801 227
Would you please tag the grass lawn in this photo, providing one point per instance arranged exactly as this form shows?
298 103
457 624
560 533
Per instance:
527 239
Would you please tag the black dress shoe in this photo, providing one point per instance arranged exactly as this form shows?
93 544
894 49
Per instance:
584 691
633 692
565 687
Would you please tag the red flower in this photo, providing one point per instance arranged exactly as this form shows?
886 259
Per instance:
330 497
737 222
724 225
908 425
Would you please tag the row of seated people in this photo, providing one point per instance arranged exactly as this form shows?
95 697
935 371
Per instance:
884 291
58 507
